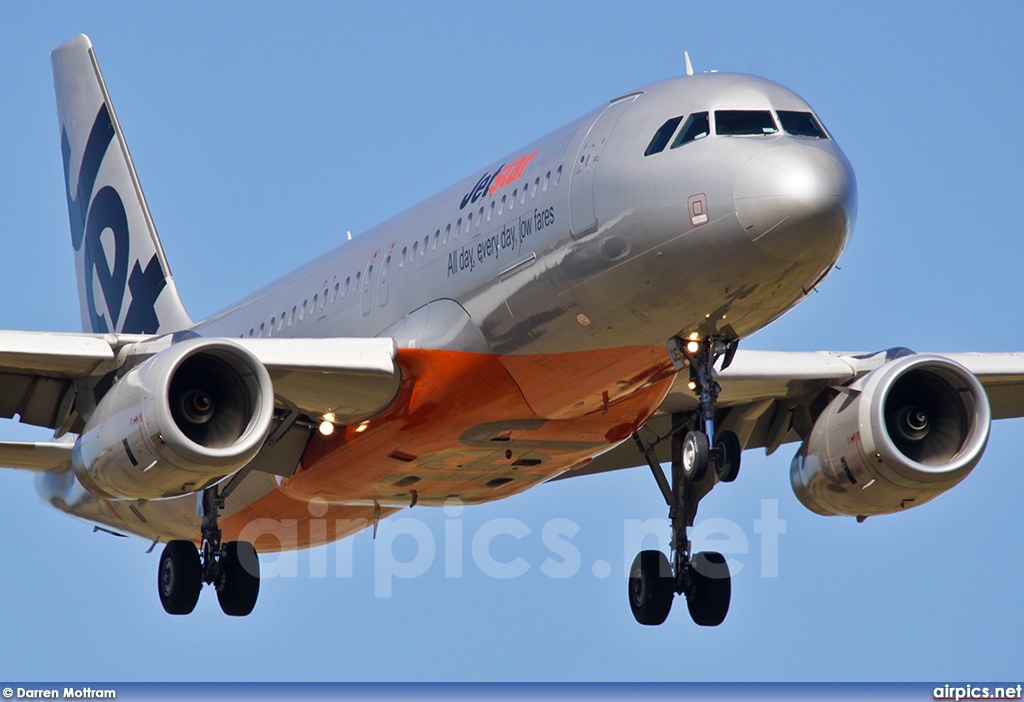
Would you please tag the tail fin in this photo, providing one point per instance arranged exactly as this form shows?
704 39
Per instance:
124 283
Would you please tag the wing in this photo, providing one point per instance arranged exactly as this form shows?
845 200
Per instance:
770 397
47 379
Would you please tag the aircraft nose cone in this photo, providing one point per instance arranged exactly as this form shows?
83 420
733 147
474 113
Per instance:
796 201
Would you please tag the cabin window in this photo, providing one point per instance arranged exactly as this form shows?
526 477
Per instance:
744 123
558 176
661 137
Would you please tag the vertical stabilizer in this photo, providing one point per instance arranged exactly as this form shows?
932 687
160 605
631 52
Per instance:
124 283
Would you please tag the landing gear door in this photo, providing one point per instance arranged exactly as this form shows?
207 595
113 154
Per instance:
582 215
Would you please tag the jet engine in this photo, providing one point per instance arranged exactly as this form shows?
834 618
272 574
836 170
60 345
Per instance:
191 415
896 438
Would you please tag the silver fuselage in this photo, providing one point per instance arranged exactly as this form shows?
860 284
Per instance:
597 233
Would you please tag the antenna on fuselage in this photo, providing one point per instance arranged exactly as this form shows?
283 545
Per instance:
689 66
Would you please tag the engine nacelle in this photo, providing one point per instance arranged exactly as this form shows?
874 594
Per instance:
898 437
189 416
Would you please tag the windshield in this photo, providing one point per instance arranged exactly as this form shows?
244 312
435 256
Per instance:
744 123
801 124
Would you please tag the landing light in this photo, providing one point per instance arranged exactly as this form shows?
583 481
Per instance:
329 417
692 385
693 347
362 427
326 428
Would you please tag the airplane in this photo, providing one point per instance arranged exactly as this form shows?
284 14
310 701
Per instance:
531 322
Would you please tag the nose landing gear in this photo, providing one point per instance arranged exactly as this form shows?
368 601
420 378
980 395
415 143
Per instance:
703 578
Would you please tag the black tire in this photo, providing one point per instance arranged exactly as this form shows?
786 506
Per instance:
727 466
179 577
696 455
708 599
650 588
240 586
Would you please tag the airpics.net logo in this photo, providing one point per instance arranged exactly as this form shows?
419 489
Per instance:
966 693
502 548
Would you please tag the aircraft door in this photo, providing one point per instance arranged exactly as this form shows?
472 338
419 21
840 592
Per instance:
382 288
367 285
582 215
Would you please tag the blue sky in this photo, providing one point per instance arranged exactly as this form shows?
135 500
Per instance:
263 132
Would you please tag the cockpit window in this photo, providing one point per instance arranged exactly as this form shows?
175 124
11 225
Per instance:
744 122
697 126
801 124
662 136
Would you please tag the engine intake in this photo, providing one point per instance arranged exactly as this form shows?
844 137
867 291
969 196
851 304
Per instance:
897 438
186 418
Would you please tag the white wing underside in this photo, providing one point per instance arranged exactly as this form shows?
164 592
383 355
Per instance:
40 374
767 397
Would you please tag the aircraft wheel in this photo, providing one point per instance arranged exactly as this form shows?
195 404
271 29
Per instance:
696 455
240 569
727 465
650 587
708 599
179 577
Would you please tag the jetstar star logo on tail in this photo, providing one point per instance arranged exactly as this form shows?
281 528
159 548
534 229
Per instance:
502 176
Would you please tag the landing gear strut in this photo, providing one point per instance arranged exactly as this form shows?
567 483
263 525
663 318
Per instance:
703 578
233 568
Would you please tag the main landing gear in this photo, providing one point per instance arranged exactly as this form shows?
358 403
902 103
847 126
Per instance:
703 578
232 568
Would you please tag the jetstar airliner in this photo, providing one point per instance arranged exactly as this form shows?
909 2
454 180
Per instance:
574 307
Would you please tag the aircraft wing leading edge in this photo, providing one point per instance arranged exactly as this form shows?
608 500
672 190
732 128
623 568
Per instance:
767 396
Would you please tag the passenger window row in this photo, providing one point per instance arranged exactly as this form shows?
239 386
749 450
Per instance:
278 324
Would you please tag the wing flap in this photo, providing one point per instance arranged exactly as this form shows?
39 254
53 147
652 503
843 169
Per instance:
755 376
352 378
58 355
43 457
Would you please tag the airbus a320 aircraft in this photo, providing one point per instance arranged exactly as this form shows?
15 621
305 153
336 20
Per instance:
572 308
